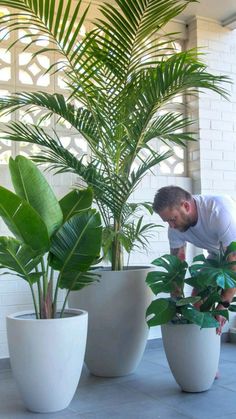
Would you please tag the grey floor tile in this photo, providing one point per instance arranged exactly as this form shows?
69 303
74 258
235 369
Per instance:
93 398
206 405
142 410
150 393
227 375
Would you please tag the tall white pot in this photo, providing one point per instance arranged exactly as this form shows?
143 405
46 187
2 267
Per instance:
47 357
117 330
193 355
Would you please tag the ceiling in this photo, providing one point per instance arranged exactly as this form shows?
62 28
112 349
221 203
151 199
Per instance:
220 10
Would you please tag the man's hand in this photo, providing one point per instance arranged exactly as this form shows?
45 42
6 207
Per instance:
220 319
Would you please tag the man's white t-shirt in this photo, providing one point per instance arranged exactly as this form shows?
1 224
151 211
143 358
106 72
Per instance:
216 223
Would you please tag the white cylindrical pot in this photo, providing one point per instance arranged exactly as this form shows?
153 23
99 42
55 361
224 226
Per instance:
193 355
47 357
117 330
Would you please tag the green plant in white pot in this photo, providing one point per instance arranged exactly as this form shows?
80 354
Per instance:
55 244
189 323
121 78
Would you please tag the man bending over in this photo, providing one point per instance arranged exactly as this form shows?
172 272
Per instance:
203 220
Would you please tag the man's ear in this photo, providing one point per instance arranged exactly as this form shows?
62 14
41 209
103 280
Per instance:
186 205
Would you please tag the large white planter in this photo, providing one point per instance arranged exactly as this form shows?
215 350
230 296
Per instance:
193 355
117 330
47 357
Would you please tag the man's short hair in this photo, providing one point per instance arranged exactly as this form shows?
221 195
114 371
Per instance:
170 197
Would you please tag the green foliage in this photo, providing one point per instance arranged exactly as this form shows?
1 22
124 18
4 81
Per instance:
24 174
23 220
208 276
123 83
65 235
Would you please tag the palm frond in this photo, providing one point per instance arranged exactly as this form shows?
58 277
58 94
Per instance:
129 26
55 21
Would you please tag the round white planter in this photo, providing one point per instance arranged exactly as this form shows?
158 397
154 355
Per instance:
193 355
117 330
47 357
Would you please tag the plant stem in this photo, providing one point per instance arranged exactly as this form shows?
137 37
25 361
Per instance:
39 292
64 304
55 297
45 283
34 301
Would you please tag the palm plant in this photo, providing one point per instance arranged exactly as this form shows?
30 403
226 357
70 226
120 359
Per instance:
122 81
49 236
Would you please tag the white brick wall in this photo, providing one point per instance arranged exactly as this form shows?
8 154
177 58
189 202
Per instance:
217 118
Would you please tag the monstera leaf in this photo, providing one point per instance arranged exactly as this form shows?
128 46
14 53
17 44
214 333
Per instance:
160 311
170 277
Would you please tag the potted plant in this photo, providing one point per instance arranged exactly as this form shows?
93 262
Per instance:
188 324
120 84
47 344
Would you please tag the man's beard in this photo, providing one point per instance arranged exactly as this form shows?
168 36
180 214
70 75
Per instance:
188 223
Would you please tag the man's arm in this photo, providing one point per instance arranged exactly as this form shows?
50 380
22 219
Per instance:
227 295
179 252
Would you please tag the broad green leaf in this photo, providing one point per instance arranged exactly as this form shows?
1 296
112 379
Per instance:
197 317
210 301
187 300
160 282
224 313
19 258
23 221
224 280
75 281
161 312
31 185
170 277
230 249
77 243
199 258
75 201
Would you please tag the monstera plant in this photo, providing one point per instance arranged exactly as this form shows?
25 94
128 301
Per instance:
50 237
189 325
210 276
121 77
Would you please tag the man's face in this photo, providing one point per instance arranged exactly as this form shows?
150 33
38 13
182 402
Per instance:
178 217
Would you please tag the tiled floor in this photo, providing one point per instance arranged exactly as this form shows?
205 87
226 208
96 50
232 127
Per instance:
150 393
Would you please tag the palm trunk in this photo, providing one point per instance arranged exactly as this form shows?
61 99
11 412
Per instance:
117 253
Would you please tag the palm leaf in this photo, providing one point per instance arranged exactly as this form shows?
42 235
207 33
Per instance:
128 28
54 20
